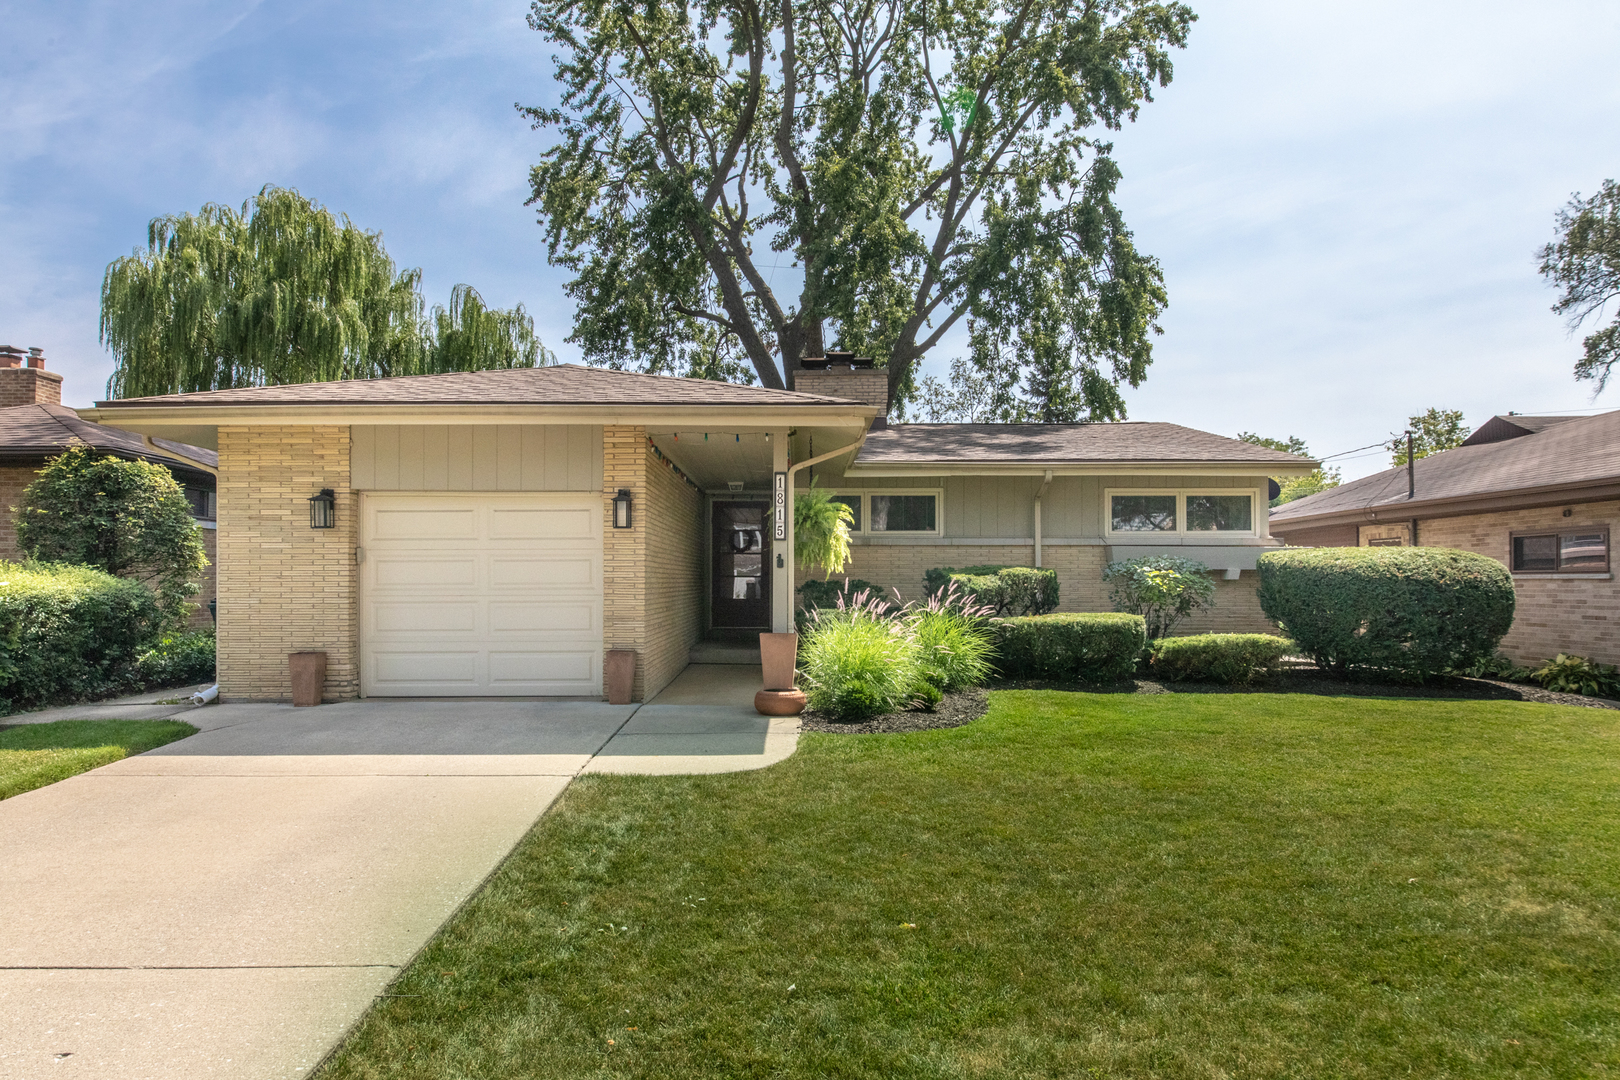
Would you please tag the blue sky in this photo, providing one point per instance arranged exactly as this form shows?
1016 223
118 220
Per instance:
1347 197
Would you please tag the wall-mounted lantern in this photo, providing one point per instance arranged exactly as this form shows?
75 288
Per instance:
323 510
621 509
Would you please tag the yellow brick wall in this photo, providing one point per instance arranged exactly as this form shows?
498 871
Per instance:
284 587
624 565
1081 587
1554 615
674 561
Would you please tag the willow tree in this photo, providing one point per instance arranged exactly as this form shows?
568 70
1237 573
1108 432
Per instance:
283 291
904 165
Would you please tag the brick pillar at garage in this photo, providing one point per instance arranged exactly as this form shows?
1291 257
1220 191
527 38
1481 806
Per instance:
284 587
624 551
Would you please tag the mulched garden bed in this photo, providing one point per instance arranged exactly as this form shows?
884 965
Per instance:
969 705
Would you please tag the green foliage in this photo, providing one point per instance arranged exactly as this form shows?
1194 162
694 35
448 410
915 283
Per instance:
1294 487
1162 589
1233 659
129 518
1297 487
178 660
1432 432
1412 611
1578 675
282 291
858 664
1005 590
1291 445
1497 666
1089 648
954 649
821 531
1584 263
833 592
69 632
692 147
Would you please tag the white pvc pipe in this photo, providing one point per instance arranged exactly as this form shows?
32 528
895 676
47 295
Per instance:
203 697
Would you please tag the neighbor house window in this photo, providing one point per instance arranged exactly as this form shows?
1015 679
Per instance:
1570 551
201 501
1181 512
891 511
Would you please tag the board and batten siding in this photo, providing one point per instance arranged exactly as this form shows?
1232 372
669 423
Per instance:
476 457
1003 507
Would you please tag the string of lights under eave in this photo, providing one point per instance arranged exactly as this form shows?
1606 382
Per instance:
659 454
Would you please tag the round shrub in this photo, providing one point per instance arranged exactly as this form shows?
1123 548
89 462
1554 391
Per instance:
1233 659
858 665
1411 611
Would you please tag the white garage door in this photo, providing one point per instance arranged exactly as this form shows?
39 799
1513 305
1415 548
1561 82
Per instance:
480 594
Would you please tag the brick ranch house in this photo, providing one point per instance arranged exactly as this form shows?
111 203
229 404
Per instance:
1538 493
475 548
35 426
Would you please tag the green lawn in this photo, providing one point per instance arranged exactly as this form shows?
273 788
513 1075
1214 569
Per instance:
1076 886
33 755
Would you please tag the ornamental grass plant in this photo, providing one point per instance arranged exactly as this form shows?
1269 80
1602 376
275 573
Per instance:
859 661
954 642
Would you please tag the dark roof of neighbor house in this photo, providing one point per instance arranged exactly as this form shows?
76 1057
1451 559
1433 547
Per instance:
560 384
34 432
1061 444
1572 451
1512 426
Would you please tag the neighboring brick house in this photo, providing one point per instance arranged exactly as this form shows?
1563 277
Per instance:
496 532
1540 494
35 426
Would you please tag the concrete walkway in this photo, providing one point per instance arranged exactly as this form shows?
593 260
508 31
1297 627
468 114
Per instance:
228 905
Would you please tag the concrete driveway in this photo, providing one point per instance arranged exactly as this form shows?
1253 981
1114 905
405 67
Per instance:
228 905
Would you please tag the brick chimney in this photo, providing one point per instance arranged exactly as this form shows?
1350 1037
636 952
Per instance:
844 375
24 380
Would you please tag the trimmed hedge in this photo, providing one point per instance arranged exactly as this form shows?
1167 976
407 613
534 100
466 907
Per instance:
1009 590
1413 611
177 660
815 594
1223 658
69 632
1092 647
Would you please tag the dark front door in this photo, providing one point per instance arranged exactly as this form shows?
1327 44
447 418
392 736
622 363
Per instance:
742 572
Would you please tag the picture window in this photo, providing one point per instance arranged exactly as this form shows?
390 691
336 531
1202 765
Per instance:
1182 513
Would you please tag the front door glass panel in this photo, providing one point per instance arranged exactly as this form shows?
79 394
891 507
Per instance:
741 567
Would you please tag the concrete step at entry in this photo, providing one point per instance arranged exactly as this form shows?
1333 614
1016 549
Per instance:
723 652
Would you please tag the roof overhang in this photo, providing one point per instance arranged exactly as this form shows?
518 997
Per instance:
199 424
1087 468
1459 506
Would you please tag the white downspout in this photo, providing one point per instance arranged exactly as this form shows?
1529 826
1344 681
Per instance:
793 472
1039 495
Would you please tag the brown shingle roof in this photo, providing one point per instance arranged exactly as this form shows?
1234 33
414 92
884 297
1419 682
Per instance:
1512 426
35 432
1584 450
562 384
1060 444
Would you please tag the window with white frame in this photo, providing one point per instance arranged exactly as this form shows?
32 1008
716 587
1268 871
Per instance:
890 512
1160 512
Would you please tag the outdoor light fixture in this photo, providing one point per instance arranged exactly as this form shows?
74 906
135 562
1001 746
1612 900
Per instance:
323 510
621 509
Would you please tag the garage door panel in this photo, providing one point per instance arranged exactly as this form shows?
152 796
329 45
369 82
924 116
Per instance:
544 524
549 668
419 571
541 572
439 666
544 617
417 523
445 617
481 593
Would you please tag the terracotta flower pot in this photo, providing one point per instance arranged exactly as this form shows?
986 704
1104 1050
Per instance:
779 655
308 677
779 702
621 675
